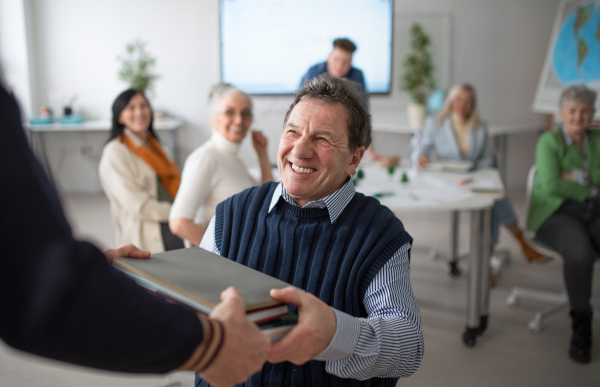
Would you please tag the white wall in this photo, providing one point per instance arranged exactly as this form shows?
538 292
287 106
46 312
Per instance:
14 53
499 46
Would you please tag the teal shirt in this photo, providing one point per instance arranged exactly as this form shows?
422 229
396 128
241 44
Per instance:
553 158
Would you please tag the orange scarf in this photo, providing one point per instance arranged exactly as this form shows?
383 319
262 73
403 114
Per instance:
167 171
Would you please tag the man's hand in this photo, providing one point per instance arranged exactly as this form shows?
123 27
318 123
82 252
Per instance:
127 251
423 161
315 329
245 349
259 141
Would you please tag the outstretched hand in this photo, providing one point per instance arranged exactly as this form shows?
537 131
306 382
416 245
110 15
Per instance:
313 333
245 349
127 251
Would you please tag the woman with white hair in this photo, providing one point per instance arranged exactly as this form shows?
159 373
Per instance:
214 172
565 206
458 133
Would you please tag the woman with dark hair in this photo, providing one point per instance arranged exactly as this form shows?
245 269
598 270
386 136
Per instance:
139 179
458 133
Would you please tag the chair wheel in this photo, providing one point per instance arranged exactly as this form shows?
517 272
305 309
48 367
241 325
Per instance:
470 337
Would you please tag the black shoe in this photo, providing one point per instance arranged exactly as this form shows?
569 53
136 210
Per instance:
581 341
454 269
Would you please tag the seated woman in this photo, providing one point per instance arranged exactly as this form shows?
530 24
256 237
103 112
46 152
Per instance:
214 172
565 206
458 134
139 179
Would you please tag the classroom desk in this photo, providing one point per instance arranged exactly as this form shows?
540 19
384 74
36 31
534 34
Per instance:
37 133
396 122
439 191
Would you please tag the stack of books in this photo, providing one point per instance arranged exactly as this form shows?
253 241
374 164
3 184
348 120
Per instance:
195 278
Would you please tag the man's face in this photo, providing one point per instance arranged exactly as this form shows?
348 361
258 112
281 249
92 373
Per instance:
339 62
314 159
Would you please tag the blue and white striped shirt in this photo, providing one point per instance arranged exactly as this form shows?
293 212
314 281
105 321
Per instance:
389 342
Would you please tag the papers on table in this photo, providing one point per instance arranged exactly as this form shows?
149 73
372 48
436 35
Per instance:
425 189
450 166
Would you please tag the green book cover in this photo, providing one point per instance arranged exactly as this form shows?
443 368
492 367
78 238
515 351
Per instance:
196 277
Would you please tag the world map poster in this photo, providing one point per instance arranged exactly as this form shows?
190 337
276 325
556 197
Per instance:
573 55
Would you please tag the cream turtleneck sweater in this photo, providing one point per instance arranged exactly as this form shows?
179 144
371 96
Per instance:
211 174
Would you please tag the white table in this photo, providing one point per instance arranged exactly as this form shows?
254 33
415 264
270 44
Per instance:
38 132
394 121
439 191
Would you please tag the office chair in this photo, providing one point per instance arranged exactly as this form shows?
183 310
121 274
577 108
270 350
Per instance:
558 301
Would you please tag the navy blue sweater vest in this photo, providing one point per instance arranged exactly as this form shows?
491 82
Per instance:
336 262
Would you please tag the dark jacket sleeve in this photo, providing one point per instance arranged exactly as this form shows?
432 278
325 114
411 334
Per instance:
59 297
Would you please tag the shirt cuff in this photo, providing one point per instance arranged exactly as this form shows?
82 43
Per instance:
344 340
578 176
593 192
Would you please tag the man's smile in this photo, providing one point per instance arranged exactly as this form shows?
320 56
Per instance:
302 170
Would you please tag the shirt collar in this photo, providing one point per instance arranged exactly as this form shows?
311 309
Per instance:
569 140
223 144
335 203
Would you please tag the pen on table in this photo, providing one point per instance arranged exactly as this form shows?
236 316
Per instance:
412 196
465 181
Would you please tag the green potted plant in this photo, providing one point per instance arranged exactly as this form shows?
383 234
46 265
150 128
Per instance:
136 67
417 79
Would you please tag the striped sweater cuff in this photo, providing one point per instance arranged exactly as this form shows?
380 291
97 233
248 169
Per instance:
209 348
344 340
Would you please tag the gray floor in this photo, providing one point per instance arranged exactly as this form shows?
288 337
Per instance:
507 355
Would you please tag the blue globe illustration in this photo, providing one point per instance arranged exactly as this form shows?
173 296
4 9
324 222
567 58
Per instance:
576 55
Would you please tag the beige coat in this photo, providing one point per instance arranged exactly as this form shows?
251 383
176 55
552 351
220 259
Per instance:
132 189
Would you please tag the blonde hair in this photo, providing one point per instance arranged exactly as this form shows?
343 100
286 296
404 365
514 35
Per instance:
473 119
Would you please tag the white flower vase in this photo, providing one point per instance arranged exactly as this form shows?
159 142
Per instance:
416 115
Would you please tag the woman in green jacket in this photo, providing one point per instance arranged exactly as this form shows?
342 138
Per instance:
565 205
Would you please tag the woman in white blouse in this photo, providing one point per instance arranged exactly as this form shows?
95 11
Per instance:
214 172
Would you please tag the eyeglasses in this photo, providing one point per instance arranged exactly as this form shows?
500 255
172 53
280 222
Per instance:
245 115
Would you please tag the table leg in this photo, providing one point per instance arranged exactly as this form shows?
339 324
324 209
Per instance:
454 231
484 274
474 293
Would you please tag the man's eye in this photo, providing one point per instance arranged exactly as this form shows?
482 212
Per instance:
229 113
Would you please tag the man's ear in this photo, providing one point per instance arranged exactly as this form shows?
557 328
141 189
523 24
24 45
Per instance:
212 121
356 157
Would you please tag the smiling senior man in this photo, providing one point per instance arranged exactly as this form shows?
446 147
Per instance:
346 255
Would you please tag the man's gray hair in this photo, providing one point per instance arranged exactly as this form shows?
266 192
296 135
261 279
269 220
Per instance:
217 91
578 93
349 94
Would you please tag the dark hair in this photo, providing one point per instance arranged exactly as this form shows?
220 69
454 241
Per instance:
349 94
119 105
345 44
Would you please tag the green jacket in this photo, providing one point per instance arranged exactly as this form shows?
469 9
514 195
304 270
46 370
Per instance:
553 157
